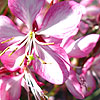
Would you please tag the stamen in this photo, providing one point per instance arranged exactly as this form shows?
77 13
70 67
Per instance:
4 51
36 90
21 41
41 43
22 61
34 43
13 51
7 40
42 61
28 46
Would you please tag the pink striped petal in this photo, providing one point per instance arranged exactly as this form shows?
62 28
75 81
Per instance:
7 31
61 18
55 69
68 38
83 27
96 65
86 2
80 86
93 10
26 10
90 83
7 28
83 46
88 64
74 86
10 87
12 62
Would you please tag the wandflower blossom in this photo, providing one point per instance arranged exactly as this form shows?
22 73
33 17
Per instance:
21 50
81 83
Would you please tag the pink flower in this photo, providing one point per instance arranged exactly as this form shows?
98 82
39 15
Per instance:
22 50
43 52
80 84
93 64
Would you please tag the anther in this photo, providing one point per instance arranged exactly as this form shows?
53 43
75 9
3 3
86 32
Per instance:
4 51
22 61
89 88
13 51
7 40
42 43
31 34
42 61
47 43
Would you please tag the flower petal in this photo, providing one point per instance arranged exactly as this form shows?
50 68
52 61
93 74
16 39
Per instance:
90 83
7 31
93 10
88 64
83 46
12 62
61 18
83 27
26 10
54 63
86 2
7 28
74 86
80 85
68 38
10 87
96 65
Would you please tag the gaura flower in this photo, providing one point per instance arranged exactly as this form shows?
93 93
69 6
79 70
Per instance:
48 58
20 50
93 64
80 83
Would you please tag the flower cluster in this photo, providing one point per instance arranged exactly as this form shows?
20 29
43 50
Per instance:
42 41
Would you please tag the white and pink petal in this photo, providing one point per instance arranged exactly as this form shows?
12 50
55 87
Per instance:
26 10
54 69
74 86
96 65
10 87
8 30
61 18
82 85
86 2
12 62
90 83
82 46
